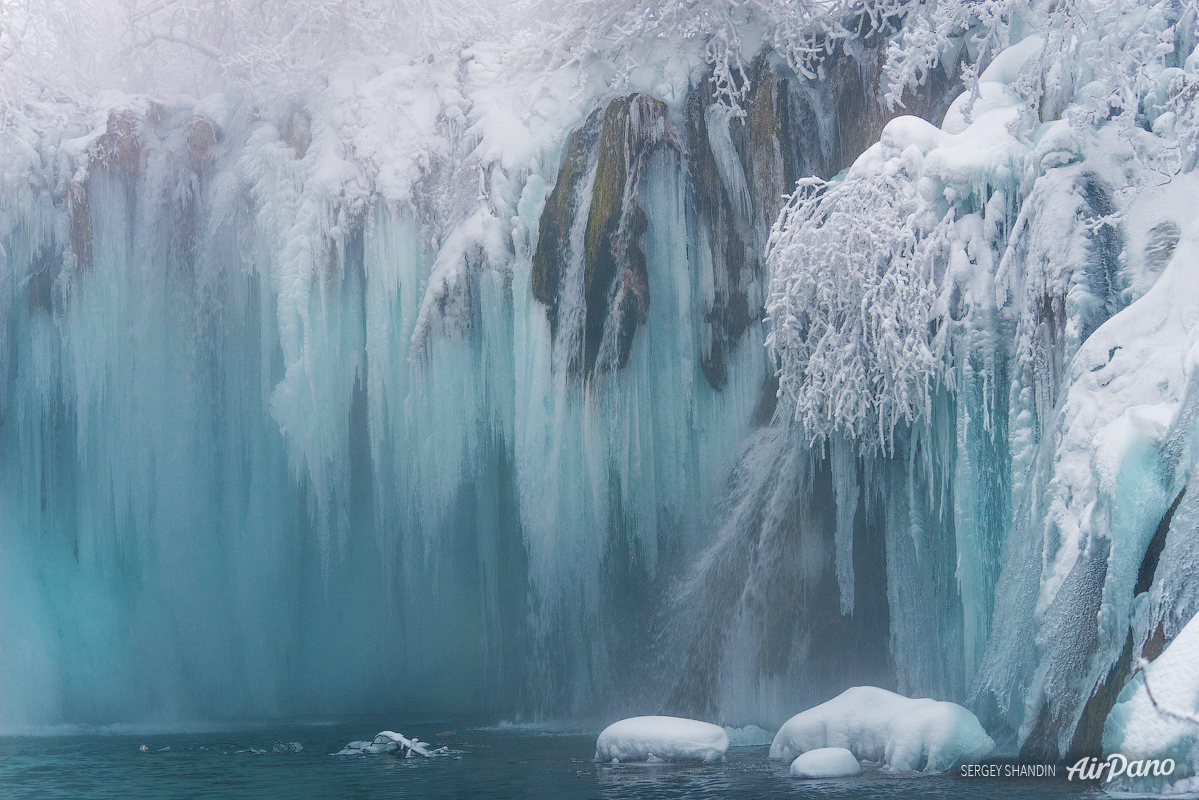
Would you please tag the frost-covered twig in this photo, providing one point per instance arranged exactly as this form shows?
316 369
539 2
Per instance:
1178 715
851 308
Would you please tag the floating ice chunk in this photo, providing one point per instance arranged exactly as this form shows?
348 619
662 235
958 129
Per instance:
826 762
749 736
287 747
390 742
1143 730
876 725
665 738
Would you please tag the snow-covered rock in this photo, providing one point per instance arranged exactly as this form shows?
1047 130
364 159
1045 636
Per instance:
661 738
905 734
826 762
1157 717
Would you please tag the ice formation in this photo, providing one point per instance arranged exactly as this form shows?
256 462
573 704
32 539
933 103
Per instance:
1157 717
826 762
451 359
903 733
748 736
392 743
661 739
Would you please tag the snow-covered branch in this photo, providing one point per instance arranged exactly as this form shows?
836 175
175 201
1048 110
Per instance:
852 307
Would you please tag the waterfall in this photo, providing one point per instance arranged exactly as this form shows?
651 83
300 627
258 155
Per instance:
710 384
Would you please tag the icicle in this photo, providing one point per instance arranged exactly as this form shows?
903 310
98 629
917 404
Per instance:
845 489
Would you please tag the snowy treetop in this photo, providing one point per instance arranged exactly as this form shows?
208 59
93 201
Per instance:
872 271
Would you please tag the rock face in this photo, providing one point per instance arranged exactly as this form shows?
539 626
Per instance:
609 155
740 162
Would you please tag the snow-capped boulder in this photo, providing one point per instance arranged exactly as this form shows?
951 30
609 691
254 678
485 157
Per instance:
661 738
903 733
1156 719
826 762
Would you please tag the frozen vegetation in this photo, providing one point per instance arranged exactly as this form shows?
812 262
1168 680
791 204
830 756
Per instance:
661 739
902 733
534 348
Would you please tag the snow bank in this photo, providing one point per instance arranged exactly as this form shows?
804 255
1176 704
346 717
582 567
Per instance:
661 738
876 725
826 762
1157 717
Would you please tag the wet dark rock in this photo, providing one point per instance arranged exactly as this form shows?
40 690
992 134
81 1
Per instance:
44 270
119 148
616 298
553 243
80 211
202 135
1088 735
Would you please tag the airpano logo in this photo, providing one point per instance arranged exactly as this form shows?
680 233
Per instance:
1092 769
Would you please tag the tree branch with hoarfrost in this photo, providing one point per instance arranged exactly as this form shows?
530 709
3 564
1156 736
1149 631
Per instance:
282 45
852 308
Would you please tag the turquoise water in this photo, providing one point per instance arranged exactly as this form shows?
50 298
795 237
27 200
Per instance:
494 763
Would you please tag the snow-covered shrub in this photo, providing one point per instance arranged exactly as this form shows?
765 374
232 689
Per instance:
852 306
934 35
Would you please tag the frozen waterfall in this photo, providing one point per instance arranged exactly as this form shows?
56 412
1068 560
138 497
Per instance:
703 371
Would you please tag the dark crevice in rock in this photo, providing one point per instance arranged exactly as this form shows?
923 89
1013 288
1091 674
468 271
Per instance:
1154 552
44 271
1105 245
1088 736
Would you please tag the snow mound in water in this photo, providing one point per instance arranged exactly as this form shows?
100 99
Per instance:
661 738
876 725
391 742
826 762
1157 717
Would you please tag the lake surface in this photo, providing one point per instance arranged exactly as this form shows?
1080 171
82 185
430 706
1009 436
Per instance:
495 762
